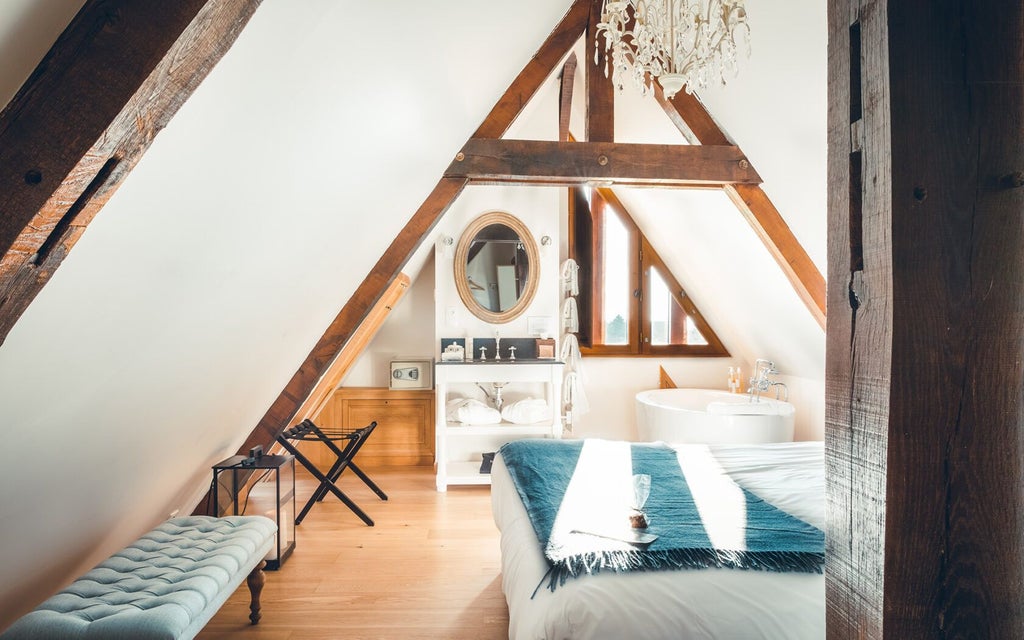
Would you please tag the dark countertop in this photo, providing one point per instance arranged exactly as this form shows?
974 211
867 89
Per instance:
507 361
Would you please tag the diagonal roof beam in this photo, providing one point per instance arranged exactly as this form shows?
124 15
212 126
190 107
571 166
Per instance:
340 331
696 124
112 81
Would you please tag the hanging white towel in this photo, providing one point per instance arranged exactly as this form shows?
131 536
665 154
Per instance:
570 316
574 398
570 278
570 353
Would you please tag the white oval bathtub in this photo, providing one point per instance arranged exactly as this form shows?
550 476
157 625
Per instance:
711 416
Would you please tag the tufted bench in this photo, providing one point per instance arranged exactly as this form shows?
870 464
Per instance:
167 584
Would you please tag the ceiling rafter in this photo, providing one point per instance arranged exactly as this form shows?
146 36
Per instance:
90 110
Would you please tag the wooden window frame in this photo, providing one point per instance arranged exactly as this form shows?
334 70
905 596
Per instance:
587 208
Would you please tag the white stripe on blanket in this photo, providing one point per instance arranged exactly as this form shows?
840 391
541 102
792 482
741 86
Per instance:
720 501
598 499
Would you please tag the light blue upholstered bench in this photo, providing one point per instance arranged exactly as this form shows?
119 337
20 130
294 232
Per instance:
167 584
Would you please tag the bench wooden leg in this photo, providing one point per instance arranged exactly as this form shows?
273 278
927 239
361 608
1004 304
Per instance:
255 581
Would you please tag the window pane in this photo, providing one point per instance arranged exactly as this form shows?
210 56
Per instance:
615 269
693 334
660 308
670 324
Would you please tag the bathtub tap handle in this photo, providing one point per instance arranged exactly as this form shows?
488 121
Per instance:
785 389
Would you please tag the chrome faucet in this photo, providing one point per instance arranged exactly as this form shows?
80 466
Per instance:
495 398
762 382
785 389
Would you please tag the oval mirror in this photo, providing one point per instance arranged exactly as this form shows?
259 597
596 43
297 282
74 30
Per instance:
496 267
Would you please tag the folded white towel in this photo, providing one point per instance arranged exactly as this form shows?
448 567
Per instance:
570 353
573 395
471 411
570 277
526 411
570 316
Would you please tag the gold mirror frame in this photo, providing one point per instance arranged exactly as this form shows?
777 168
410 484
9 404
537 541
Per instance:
532 255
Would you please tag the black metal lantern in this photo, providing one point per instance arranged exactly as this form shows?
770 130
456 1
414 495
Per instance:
259 485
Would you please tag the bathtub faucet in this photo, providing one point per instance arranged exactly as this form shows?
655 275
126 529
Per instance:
761 381
780 386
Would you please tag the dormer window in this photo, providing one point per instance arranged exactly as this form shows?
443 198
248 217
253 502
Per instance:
630 304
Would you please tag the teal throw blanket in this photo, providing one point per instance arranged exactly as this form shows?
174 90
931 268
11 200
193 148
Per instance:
579 495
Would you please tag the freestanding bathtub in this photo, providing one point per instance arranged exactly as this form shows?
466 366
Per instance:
712 417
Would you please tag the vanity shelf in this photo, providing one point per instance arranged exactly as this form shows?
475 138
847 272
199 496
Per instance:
459 447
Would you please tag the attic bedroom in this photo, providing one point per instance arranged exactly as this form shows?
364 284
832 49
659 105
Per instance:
227 217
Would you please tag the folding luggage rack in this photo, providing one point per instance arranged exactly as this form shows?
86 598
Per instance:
307 431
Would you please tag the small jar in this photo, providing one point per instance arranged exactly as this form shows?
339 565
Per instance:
637 519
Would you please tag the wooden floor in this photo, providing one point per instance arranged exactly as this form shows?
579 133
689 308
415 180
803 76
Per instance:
428 569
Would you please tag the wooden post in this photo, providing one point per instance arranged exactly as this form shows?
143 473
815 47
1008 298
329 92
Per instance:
925 462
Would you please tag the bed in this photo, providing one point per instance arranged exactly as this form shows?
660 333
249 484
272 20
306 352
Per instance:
683 603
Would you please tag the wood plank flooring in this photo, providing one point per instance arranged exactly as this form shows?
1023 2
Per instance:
428 569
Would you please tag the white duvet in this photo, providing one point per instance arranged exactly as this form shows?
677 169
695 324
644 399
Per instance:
676 605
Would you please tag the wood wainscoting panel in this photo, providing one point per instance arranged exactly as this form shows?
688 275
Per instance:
405 425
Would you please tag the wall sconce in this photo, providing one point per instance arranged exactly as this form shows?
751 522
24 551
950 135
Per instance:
545 245
446 246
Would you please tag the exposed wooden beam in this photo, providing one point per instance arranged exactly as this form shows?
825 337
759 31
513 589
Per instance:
570 163
559 42
565 96
924 384
696 124
88 113
600 113
692 119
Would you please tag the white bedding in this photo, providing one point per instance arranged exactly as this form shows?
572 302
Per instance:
676 605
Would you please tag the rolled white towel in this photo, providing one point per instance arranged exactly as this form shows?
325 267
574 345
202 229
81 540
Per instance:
526 411
471 411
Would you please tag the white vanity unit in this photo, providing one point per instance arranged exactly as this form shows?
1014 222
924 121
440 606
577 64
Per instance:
459 447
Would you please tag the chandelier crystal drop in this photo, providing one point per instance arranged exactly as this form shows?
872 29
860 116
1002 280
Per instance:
690 43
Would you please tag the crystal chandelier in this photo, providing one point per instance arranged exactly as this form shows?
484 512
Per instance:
689 43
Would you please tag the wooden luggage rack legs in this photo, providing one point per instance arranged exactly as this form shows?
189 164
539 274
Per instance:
354 440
